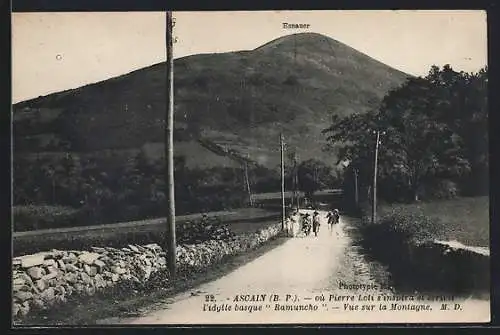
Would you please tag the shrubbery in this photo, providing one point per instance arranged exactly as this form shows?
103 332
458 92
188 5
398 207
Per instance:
407 227
398 231
439 189
203 230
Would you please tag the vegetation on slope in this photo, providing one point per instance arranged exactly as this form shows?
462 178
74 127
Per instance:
99 148
238 99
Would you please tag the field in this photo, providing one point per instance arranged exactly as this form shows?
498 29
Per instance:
465 219
288 194
240 221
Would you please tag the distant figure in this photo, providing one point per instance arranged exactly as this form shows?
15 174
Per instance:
316 223
306 224
336 213
335 218
288 226
294 223
331 220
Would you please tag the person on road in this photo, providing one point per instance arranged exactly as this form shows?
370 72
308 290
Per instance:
294 223
316 223
336 213
331 220
306 224
288 227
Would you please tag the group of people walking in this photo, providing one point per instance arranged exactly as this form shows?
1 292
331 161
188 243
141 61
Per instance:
303 224
333 218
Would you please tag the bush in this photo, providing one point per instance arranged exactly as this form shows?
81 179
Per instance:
439 189
203 230
291 80
42 217
409 227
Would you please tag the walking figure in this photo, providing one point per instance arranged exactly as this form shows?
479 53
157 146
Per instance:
316 223
288 227
306 224
336 214
333 218
294 223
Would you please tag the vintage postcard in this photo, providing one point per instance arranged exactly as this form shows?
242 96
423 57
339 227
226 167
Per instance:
266 167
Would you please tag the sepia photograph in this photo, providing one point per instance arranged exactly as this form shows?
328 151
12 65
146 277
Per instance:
250 167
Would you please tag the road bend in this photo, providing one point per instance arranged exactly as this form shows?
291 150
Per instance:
329 265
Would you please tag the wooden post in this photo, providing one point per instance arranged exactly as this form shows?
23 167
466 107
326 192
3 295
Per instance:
374 189
296 180
247 182
282 181
169 153
356 192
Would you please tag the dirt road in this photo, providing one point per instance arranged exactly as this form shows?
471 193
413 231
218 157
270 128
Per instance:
305 268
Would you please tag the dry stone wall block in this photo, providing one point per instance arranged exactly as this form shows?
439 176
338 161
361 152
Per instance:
36 272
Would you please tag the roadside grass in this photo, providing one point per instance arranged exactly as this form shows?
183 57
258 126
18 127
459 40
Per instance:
228 215
465 220
123 301
289 194
34 217
251 226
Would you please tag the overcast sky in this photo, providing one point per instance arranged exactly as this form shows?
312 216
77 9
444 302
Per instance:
58 51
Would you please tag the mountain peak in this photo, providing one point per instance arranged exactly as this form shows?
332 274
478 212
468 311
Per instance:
241 100
302 39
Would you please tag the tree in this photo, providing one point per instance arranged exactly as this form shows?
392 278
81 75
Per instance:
313 175
70 181
264 179
466 113
419 142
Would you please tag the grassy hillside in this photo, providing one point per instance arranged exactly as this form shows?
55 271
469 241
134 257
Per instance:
240 100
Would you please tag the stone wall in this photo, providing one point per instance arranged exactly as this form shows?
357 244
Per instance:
45 279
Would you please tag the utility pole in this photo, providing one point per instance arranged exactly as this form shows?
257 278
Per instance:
374 188
247 182
282 181
356 194
296 179
293 162
169 153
